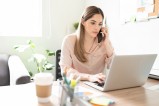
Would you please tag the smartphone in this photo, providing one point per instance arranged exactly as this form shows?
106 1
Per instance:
100 36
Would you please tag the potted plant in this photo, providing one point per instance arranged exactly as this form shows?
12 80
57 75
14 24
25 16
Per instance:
75 25
41 61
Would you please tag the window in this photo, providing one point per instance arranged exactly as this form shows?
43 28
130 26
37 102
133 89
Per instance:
21 18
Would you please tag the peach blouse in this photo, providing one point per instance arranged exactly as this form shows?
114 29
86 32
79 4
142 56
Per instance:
97 59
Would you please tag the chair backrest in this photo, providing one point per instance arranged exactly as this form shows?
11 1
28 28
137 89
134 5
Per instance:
12 71
18 74
4 70
58 69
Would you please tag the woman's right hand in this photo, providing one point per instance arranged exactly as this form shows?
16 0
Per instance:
97 77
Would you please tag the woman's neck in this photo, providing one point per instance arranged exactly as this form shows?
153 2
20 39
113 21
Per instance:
89 43
89 39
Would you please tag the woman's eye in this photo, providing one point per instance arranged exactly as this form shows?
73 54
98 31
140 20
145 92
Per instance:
92 23
100 24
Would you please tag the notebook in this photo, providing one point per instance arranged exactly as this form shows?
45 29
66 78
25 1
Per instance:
126 71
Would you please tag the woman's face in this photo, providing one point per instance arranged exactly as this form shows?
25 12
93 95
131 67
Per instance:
93 25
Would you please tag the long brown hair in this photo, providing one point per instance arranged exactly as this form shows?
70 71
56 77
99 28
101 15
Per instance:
79 44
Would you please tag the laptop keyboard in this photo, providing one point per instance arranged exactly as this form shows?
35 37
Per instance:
99 84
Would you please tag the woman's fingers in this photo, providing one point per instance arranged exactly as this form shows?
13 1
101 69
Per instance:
98 77
104 29
105 32
101 77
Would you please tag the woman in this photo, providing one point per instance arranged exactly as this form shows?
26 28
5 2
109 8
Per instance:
81 53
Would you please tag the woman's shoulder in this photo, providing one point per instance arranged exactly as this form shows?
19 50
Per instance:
70 37
69 41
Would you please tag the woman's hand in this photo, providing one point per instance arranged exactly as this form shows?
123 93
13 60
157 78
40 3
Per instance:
97 77
105 33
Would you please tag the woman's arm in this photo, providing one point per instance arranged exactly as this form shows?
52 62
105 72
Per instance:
109 48
83 76
107 43
66 59
69 70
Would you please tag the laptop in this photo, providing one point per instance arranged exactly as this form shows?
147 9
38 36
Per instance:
126 71
154 73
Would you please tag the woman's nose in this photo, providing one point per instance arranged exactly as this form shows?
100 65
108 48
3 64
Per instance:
97 27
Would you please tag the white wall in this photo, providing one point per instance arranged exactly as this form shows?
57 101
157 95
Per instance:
62 13
140 37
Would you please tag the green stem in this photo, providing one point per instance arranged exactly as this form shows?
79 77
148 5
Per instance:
37 64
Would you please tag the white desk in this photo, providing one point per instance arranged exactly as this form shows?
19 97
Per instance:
20 95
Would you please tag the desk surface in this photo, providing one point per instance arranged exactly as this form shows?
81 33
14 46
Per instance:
24 95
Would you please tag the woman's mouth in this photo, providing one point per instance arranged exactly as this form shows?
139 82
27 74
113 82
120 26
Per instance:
95 32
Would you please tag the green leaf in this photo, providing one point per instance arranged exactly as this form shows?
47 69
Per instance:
21 48
30 73
48 66
76 25
47 51
50 53
39 69
16 47
31 44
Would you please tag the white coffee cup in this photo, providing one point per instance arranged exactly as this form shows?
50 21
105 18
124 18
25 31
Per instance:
43 83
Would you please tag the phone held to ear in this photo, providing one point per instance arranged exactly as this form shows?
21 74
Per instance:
100 36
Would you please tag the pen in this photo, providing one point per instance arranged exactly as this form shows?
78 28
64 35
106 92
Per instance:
73 83
65 79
